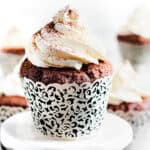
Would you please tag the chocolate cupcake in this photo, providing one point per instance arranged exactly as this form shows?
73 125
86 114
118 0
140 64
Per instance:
134 38
66 78
129 99
11 51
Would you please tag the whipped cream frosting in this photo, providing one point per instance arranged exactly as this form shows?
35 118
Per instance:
8 62
64 42
139 22
126 86
11 84
15 38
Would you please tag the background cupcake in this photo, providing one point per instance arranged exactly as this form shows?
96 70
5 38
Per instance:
11 94
66 78
11 51
134 37
129 97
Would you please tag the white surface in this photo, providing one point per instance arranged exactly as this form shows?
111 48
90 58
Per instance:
142 140
18 133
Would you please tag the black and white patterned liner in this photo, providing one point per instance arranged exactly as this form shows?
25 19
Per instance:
8 111
67 111
137 119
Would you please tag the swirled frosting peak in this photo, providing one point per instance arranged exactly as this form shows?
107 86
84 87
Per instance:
64 42
139 22
128 86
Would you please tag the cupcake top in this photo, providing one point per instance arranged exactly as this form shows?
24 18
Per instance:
139 22
64 42
127 86
14 41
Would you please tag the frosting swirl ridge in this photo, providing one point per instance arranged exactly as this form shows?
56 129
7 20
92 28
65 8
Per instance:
64 42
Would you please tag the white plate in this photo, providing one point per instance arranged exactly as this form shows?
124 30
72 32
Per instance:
18 133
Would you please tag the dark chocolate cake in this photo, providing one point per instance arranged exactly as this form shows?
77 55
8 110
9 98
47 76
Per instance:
16 51
88 73
125 107
133 39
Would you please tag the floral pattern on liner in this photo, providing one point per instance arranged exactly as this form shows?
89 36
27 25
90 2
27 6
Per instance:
67 110
8 111
136 118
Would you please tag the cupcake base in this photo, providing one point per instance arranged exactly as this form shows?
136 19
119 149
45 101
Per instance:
137 114
8 111
67 111
11 105
67 103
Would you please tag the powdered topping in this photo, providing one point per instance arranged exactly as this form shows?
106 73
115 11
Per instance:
64 42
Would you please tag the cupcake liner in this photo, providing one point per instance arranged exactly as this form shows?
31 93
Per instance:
136 54
67 111
136 118
7 111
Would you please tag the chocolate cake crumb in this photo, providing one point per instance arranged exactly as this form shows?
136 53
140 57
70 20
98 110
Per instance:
16 51
133 39
88 73
125 107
